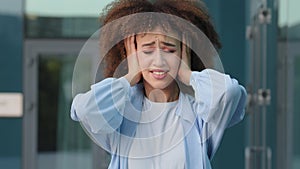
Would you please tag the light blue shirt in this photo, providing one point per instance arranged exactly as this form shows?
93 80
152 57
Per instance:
111 110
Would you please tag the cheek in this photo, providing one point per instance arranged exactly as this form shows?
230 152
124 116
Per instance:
143 61
174 62
176 65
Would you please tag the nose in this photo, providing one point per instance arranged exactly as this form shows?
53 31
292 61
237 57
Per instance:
158 60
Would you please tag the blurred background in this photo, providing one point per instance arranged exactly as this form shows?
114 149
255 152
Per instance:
40 42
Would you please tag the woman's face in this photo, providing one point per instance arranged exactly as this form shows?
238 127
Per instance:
159 57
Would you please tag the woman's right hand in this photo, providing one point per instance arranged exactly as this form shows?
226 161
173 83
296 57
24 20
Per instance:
134 73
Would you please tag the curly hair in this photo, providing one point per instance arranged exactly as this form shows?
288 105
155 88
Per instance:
189 10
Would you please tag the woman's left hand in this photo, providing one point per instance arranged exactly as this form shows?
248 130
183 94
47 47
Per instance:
184 72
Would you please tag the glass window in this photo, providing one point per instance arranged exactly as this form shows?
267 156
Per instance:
62 18
296 113
289 40
65 8
11 7
62 144
289 20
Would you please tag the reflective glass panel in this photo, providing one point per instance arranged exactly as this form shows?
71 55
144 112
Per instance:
62 19
296 114
62 143
289 37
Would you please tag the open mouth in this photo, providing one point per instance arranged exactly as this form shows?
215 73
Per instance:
159 74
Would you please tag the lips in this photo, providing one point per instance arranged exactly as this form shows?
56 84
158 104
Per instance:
158 74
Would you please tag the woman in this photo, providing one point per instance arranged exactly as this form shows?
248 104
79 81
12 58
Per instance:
143 118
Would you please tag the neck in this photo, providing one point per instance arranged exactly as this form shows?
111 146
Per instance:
168 94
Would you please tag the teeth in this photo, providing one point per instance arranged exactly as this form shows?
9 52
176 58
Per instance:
159 73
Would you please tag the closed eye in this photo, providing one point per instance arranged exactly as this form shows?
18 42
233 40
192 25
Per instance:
169 50
148 52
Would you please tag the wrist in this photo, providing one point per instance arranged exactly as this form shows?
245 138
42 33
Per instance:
132 79
185 77
128 77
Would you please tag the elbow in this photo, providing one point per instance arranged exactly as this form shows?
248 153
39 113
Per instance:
235 92
236 98
75 108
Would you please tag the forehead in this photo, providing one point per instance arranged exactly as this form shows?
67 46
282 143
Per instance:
150 37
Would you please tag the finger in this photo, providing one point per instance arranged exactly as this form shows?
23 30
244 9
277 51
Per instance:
129 45
132 45
186 52
131 53
126 43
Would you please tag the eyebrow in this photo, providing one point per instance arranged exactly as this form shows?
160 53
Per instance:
148 44
168 44
164 43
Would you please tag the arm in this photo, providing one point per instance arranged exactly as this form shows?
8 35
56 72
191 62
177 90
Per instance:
219 102
101 109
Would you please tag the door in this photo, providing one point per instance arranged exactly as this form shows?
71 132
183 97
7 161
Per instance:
51 140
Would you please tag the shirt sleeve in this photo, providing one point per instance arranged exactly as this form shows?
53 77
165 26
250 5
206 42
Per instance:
100 110
219 102
102 107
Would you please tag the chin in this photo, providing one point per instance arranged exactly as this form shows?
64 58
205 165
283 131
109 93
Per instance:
160 84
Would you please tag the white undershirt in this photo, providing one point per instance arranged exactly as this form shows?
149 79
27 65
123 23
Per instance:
159 139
